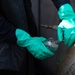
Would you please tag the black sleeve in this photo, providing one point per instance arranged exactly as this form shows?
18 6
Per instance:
58 3
7 30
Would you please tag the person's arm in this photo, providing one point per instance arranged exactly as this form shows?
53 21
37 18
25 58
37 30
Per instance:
7 30
34 44
59 3
66 28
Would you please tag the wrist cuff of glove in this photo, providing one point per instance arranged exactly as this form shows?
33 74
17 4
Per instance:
66 12
22 36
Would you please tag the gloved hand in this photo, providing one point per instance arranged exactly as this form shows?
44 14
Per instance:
66 29
33 44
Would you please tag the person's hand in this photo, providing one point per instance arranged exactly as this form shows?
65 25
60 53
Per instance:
66 28
37 48
33 44
66 32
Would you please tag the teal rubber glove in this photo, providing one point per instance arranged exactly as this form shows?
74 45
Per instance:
66 29
33 44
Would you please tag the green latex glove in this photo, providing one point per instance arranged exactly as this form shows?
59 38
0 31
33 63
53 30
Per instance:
33 44
66 29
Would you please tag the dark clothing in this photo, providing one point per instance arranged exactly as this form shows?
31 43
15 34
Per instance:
6 30
16 14
19 14
58 3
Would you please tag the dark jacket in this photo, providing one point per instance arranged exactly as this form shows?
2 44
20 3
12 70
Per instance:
58 3
16 14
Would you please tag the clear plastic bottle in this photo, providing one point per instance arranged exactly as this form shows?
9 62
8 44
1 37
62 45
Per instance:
51 44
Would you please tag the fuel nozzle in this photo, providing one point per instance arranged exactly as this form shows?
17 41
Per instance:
51 44
49 26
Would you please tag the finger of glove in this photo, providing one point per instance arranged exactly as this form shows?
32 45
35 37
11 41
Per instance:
43 52
60 34
67 36
48 52
71 41
42 38
45 55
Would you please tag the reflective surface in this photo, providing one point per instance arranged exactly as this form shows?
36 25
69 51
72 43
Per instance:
52 44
